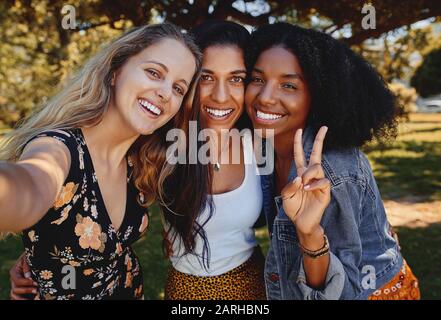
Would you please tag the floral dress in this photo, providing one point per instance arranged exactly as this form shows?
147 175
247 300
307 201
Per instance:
74 251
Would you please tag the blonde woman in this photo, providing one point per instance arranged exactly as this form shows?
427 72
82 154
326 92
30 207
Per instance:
83 169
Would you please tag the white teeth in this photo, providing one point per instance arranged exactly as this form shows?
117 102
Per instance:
218 112
150 106
268 116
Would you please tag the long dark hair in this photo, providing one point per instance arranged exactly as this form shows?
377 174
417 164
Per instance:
183 201
185 224
347 93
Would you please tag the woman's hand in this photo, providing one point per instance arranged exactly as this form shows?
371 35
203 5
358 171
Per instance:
306 198
21 281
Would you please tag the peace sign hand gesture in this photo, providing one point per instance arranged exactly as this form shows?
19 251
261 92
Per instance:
306 198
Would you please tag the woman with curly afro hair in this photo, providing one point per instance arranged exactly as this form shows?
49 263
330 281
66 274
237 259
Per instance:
320 102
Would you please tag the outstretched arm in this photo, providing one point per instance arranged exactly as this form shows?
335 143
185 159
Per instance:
29 187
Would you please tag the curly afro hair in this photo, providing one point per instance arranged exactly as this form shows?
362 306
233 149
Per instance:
347 94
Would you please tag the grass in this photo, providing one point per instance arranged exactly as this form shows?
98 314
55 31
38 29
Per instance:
421 249
409 166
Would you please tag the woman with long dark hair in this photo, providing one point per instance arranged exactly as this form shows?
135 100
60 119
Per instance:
223 260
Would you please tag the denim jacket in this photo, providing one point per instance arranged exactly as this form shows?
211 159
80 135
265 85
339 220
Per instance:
363 254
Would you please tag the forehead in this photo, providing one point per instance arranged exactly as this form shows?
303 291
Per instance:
178 59
278 60
223 58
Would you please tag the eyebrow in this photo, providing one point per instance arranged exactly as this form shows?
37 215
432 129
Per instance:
166 69
158 63
292 76
232 72
285 75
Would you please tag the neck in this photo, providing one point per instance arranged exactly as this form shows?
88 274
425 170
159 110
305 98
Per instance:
284 146
220 145
109 144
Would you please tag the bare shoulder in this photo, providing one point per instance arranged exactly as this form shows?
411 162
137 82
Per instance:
48 154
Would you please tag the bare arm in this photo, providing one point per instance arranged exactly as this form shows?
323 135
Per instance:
22 285
29 187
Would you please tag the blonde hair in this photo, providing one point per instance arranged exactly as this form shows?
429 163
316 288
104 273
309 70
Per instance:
85 99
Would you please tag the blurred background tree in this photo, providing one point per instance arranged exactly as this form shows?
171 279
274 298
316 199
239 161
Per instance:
37 53
406 96
427 78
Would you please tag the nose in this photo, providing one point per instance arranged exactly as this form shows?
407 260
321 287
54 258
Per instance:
164 92
220 92
266 95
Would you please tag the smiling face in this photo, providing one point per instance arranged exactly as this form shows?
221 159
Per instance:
150 86
222 86
277 96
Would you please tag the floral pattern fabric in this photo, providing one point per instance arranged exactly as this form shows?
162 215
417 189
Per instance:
74 251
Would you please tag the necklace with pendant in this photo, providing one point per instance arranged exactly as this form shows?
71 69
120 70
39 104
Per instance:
216 165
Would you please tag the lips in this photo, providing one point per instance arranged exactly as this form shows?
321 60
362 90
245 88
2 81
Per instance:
267 117
218 113
150 107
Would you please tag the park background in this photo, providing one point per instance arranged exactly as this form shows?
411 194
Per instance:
37 55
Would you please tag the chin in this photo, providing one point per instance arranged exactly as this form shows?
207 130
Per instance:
143 130
268 133
218 128
264 131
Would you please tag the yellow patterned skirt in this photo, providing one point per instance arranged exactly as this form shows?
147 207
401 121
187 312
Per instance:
245 282
404 286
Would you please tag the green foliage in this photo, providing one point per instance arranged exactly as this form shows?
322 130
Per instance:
410 166
427 78
37 54
406 97
396 53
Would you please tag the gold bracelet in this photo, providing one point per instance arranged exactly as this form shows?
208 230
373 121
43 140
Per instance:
317 253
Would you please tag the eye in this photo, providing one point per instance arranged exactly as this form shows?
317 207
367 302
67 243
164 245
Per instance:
237 79
154 73
179 90
206 77
256 80
289 86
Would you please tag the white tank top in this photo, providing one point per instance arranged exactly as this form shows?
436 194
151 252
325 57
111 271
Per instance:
229 231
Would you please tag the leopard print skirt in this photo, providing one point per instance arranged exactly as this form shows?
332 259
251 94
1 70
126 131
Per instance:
245 282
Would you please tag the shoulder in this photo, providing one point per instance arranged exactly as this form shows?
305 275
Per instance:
71 139
57 147
68 137
341 165
346 166
47 141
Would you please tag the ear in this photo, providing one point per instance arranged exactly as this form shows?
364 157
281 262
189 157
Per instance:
112 82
